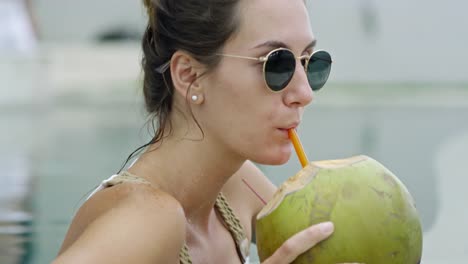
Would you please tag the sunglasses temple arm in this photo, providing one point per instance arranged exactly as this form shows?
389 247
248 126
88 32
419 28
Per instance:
242 57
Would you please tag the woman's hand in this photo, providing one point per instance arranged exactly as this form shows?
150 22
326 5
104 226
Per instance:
300 242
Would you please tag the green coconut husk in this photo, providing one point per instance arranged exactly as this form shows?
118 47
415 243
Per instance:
375 217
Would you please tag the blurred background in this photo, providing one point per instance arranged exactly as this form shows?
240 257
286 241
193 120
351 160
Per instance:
71 109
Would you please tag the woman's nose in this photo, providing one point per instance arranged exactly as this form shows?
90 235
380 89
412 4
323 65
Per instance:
298 93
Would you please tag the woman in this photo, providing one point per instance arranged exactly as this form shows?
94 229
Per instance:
193 195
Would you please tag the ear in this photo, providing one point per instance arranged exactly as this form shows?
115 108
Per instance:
185 71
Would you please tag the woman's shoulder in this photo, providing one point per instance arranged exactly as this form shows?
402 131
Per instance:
247 191
249 182
145 199
128 212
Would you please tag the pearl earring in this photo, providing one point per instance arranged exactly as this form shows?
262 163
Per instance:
194 98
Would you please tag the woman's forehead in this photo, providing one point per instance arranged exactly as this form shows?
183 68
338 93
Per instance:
282 21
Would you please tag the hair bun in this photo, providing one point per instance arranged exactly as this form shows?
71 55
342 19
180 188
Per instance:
149 7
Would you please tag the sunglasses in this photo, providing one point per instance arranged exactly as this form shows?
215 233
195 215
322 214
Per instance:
279 66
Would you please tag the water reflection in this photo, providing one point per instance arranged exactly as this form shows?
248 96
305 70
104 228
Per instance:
15 210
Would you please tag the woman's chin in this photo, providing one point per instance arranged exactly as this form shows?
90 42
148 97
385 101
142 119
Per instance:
277 157
279 162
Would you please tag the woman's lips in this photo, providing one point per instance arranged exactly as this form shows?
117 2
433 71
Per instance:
291 126
284 131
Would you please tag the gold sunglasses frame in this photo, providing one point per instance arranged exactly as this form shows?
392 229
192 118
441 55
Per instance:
264 59
161 69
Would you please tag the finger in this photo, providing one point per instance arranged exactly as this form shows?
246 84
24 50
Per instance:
301 242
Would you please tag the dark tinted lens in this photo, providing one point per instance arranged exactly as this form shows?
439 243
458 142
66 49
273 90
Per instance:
318 69
279 69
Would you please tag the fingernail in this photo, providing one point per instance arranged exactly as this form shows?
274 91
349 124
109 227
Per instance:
326 228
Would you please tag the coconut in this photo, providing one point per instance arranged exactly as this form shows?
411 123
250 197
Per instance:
375 218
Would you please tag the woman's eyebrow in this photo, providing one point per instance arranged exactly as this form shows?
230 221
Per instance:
279 44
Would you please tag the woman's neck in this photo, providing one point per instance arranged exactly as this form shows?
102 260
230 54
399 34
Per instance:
192 171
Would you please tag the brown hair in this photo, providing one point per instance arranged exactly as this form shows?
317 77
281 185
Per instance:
199 27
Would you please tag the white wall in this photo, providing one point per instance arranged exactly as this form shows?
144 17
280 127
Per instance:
64 20
408 40
371 40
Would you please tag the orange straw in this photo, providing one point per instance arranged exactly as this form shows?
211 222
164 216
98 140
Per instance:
298 147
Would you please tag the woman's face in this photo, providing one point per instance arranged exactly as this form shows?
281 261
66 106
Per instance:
239 110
